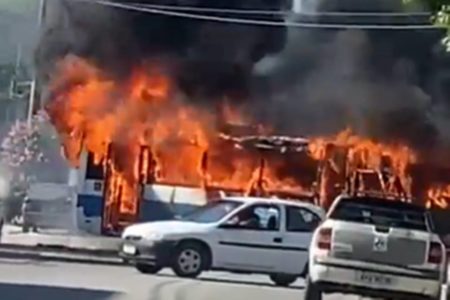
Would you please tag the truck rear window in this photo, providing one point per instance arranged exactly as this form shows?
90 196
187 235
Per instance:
380 212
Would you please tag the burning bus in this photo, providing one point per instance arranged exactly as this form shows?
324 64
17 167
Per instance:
134 140
143 152
315 170
109 203
141 113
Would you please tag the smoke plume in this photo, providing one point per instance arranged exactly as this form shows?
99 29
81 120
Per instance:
391 85
195 52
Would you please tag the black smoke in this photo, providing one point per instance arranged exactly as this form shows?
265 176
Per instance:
208 59
391 85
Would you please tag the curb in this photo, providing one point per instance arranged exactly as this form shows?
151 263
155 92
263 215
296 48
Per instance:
60 254
60 249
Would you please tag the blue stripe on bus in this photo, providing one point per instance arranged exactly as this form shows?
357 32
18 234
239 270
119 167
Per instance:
92 205
150 210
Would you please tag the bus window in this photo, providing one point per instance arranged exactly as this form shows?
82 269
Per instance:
93 171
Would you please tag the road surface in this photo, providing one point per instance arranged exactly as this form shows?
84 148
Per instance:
46 280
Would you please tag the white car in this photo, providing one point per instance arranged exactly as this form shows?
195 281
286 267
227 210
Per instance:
236 234
378 248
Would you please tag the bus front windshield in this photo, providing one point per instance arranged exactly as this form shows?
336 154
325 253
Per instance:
212 212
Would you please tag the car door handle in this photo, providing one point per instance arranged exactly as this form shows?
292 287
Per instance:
277 240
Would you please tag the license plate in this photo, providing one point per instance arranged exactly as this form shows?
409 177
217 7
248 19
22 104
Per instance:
373 278
129 249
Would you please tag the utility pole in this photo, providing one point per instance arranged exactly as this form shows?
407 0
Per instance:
297 6
18 59
13 81
32 99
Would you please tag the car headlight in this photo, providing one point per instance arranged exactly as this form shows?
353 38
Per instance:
154 236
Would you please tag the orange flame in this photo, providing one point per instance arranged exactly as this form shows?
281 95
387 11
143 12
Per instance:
364 154
438 196
143 131
114 119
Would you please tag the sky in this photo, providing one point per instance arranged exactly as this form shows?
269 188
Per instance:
17 27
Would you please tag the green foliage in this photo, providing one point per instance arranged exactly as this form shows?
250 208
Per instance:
440 8
438 5
442 17
441 11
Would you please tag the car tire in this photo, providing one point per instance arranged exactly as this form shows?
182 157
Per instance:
190 260
282 279
148 269
312 291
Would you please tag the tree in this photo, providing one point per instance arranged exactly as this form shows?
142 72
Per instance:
20 150
441 14
441 8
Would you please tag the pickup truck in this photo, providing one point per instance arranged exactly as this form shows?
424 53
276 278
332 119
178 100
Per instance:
375 247
237 234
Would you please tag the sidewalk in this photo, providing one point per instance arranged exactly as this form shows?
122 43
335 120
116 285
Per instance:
59 245
13 235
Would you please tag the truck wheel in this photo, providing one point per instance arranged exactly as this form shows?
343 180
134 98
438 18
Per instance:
148 269
283 280
312 291
190 260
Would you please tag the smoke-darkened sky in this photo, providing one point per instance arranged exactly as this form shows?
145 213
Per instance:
207 58
386 84
391 85
18 26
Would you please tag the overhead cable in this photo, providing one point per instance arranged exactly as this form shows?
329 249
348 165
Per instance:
281 12
255 22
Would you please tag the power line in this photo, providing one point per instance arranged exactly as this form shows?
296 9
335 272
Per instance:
281 12
255 22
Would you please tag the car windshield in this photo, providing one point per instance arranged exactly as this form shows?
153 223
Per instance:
212 212
381 213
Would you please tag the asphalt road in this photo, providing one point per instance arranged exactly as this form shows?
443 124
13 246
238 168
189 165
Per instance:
46 280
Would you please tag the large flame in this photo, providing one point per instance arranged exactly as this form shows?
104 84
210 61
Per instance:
115 119
142 131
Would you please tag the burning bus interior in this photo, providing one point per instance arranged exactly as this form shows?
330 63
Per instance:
265 166
315 170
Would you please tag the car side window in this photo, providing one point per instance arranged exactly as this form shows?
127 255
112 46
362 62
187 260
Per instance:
258 217
300 219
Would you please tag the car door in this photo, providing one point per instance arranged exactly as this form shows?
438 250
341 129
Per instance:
250 248
299 226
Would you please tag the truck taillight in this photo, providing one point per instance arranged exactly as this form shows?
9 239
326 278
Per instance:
435 253
324 238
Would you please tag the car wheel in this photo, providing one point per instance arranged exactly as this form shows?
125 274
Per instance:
189 260
312 291
148 269
283 280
